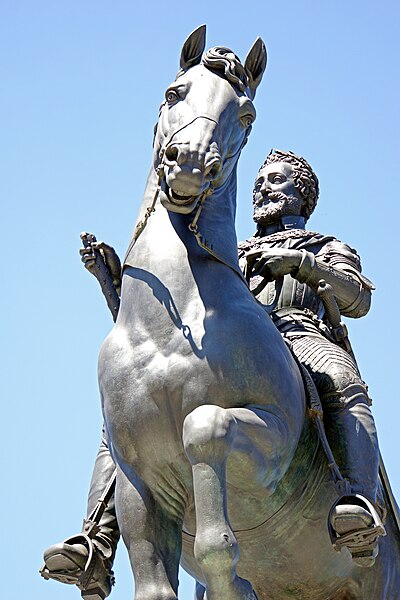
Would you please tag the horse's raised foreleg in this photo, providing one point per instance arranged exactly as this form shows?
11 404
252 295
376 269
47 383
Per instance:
211 435
152 538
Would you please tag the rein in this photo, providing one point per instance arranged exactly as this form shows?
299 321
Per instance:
141 225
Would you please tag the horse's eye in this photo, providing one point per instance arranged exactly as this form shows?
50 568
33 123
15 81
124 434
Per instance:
247 120
171 96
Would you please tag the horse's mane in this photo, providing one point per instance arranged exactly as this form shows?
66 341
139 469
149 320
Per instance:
224 61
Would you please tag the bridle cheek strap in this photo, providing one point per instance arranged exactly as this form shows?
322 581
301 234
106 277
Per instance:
202 242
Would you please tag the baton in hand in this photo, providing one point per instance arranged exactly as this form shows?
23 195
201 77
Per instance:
102 275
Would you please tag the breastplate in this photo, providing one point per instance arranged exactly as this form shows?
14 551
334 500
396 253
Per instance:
287 292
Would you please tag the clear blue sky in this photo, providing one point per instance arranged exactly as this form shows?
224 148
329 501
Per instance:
81 85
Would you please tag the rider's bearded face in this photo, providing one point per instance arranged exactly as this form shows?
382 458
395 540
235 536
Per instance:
275 194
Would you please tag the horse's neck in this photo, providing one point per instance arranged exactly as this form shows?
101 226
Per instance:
167 247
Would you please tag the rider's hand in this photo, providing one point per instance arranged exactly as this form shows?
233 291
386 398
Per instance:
273 263
110 257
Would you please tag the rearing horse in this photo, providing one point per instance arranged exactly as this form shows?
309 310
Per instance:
203 403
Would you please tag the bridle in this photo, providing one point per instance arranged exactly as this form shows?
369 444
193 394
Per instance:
193 227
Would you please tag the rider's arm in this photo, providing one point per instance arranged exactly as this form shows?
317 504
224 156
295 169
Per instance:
339 266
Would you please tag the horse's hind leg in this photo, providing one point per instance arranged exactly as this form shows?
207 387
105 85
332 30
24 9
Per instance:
210 435
152 538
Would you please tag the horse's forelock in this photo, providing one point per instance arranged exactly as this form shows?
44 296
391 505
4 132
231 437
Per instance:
225 61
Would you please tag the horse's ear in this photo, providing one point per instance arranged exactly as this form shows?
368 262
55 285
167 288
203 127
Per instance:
255 65
193 48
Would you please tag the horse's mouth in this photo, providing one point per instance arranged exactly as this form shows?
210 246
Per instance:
176 201
180 198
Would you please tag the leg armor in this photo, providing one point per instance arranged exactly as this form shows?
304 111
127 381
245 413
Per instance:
349 423
350 429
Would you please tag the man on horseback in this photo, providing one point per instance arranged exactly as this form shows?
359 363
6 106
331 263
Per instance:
284 265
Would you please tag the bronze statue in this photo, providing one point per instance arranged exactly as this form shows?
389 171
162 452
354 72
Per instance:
285 264
205 410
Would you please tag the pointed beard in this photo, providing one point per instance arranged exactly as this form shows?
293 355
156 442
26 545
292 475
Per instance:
276 205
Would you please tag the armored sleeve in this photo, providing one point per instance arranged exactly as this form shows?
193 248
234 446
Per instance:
340 266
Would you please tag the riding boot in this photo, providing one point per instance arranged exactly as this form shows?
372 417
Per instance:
350 429
87 560
351 432
106 539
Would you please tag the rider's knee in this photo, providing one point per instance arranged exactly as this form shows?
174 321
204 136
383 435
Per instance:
208 428
346 398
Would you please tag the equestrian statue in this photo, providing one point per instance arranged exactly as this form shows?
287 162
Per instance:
238 436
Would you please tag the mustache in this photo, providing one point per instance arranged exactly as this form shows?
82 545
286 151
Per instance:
276 196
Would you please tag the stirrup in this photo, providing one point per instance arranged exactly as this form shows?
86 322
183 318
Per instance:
94 579
362 542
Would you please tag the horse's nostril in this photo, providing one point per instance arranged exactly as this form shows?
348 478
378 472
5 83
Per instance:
213 168
171 153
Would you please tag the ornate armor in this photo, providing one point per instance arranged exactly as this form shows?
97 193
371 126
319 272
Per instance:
298 312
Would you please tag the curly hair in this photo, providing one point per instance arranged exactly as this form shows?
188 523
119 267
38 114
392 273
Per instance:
224 60
305 180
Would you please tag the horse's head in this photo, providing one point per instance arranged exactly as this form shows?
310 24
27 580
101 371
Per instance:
205 120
